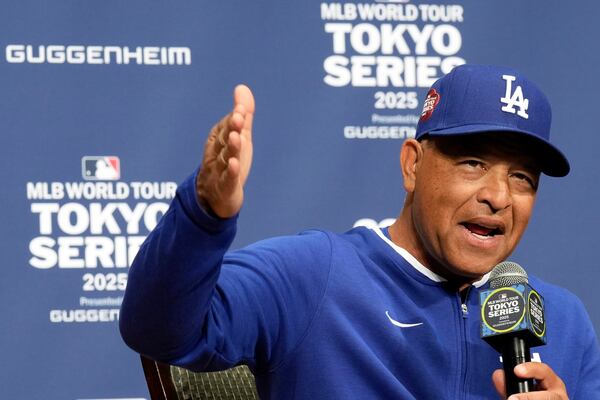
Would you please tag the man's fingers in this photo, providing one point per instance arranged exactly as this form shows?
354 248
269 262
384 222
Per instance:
229 177
228 164
537 396
542 373
233 122
230 149
498 379
236 121
242 95
228 157
549 385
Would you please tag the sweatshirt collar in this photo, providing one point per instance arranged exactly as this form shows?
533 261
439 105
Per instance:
416 264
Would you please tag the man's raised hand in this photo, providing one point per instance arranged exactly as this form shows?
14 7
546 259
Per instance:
227 158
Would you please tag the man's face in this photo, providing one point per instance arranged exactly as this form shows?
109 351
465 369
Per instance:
471 201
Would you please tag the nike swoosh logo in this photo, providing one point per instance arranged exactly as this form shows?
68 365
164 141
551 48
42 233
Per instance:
400 324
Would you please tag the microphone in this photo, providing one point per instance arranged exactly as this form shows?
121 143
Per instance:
512 321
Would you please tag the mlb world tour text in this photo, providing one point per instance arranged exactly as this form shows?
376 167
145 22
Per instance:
94 229
373 53
90 234
395 48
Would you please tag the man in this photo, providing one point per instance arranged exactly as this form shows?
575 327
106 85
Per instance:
369 314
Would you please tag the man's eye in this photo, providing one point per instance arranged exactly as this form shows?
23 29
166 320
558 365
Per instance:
526 179
473 163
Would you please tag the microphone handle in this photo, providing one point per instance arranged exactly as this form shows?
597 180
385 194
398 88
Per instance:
516 351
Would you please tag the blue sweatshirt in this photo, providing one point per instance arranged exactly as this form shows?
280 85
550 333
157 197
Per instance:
327 316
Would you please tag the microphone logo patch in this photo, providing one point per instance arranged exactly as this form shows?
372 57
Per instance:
536 313
503 310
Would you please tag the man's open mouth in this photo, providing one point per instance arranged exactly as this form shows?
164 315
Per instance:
481 231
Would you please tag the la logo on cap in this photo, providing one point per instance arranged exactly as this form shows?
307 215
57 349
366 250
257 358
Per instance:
514 99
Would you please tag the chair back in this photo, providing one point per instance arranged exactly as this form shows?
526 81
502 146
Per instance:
167 382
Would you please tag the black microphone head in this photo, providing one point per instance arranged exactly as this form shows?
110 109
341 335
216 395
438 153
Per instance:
507 273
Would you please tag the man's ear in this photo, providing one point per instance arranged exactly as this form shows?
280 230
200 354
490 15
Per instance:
410 157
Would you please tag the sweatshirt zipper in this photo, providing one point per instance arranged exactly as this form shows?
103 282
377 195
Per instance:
464 313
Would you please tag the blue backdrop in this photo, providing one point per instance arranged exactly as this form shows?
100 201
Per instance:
105 107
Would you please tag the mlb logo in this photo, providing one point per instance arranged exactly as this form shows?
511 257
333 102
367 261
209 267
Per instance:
101 168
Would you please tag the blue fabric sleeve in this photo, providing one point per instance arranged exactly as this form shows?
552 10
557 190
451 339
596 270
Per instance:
589 377
189 303
572 342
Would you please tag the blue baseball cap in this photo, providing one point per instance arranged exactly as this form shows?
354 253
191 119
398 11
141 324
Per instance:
483 98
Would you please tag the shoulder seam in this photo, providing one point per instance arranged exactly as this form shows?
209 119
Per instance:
290 355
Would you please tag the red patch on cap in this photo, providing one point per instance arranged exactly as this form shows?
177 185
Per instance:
432 100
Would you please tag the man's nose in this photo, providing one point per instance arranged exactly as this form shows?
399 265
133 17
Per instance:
495 191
